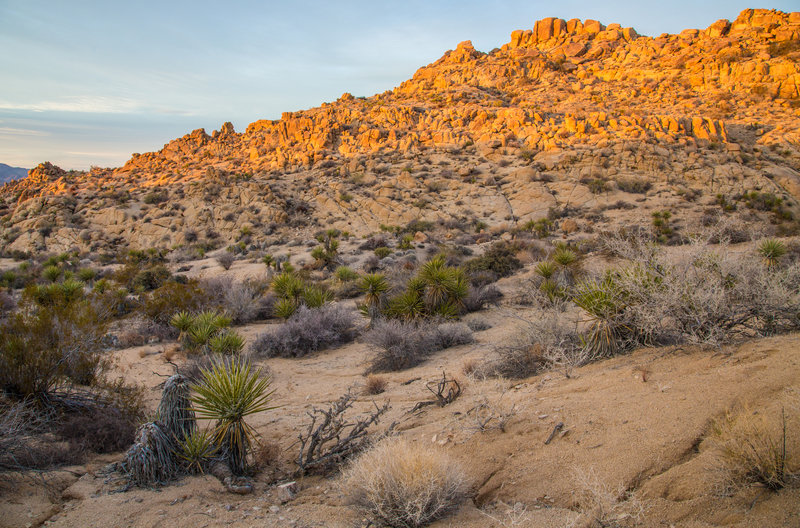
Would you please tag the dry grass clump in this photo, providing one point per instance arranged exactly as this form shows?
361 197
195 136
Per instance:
404 485
307 331
603 505
758 447
375 385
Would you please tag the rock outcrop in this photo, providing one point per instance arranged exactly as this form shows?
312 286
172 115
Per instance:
572 100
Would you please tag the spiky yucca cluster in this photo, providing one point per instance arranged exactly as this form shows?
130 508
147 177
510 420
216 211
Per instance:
207 331
438 290
294 292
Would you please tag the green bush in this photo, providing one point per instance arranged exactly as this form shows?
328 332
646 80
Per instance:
172 297
499 259
54 338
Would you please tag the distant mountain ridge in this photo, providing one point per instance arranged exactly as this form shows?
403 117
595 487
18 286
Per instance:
9 173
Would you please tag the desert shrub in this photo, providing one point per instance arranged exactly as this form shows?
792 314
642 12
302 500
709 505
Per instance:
634 185
171 298
345 274
454 334
478 297
404 344
56 337
100 429
403 485
71 421
758 447
7 304
240 300
548 340
373 243
382 252
708 294
149 279
307 331
499 259
226 260
139 331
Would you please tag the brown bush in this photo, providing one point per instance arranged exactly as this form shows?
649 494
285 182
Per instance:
404 485
375 385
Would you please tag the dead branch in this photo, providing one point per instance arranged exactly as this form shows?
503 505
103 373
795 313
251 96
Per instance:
330 438
559 426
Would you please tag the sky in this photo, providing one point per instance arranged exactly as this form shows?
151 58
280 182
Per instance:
90 82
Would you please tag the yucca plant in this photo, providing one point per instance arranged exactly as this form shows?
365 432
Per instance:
86 274
200 335
437 278
772 251
314 296
51 273
564 256
227 393
174 409
545 269
196 451
227 343
182 321
284 308
374 286
408 305
552 290
213 318
604 301
287 285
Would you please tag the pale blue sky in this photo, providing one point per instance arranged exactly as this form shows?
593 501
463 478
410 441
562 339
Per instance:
89 82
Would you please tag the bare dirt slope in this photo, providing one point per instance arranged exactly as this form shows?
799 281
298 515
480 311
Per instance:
636 422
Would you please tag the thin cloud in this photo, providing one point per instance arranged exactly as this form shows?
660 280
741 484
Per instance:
8 131
82 104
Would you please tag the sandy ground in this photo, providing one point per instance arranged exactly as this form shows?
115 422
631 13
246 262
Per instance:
636 422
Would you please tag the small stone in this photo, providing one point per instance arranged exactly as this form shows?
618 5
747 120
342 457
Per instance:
274 509
287 492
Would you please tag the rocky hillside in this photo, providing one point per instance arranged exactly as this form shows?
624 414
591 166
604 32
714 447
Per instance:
585 124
